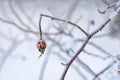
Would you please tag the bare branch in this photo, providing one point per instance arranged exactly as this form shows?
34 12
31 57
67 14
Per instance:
94 55
97 47
26 15
105 2
17 16
54 18
79 62
104 70
75 67
9 52
89 36
113 5
17 26
74 57
85 43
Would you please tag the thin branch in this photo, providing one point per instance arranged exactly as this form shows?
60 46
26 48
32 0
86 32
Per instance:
79 62
84 66
26 15
29 31
17 26
113 5
75 67
69 22
104 70
101 27
105 2
45 63
57 33
103 35
94 55
17 16
74 57
97 47
13 46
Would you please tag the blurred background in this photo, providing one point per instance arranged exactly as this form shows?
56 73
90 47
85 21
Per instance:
19 34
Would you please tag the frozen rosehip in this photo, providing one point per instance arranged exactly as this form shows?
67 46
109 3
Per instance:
41 45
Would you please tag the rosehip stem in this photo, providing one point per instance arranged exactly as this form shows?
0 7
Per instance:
40 27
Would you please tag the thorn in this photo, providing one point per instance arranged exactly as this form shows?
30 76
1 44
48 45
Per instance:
64 64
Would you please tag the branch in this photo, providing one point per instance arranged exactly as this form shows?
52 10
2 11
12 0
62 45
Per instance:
69 22
101 72
74 57
17 16
17 26
97 47
79 62
5 56
113 5
83 46
105 2
76 67
29 18
94 55
89 36
44 65
87 40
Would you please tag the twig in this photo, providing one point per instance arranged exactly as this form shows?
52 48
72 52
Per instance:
76 67
113 5
17 26
82 64
13 46
104 70
26 15
105 2
97 47
74 57
17 16
94 55
69 22
44 65
101 27
28 31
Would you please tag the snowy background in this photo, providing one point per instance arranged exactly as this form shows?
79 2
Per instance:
19 34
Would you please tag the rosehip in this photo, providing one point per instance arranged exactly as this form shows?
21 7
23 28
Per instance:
41 45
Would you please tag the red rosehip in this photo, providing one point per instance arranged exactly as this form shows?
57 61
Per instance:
41 45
